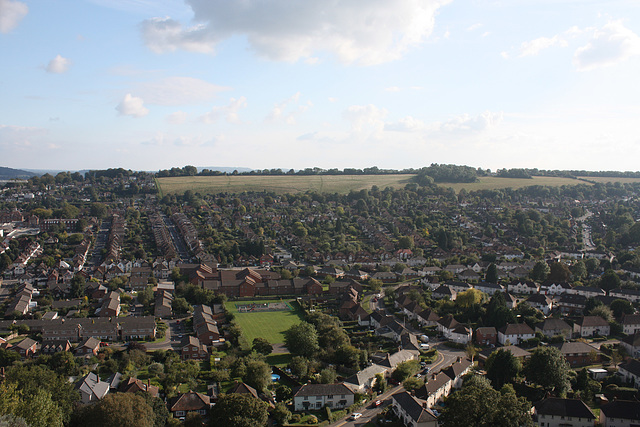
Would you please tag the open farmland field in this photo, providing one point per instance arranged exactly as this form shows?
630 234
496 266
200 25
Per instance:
605 179
280 184
269 325
495 183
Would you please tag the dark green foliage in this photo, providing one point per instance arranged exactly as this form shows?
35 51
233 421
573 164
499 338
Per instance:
238 410
502 368
479 405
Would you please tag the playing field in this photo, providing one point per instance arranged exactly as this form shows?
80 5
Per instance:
269 325
280 184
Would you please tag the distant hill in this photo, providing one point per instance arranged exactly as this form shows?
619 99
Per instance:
8 173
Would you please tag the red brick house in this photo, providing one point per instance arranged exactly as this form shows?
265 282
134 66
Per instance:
193 349
486 336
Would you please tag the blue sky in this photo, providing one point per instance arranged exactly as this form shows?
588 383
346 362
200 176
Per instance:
152 84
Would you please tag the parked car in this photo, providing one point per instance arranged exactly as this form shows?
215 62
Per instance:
376 403
355 416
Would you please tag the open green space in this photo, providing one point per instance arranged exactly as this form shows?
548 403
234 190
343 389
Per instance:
605 179
279 184
495 183
343 184
267 324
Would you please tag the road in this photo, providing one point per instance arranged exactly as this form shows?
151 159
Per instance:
101 242
446 356
172 339
368 413
178 241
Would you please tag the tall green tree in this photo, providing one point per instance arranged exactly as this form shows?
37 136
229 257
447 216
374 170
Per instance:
502 368
548 368
117 409
492 274
239 410
540 271
302 339
478 404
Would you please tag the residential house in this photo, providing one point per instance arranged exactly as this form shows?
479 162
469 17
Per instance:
557 412
630 323
435 389
630 372
26 348
589 326
578 353
540 302
457 370
588 291
523 287
620 413
444 291
134 385
193 349
486 335
317 396
447 324
555 288
364 380
412 411
190 402
631 344
553 327
89 347
428 317
92 388
515 333
52 347
631 295
489 288
460 334
571 303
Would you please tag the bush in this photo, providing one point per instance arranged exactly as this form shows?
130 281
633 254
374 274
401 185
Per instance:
312 419
328 413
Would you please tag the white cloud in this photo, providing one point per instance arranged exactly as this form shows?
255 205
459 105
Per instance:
406 124
11 13
288 109
366 118
58 65
392 89
179 91
18 138
177 118
610 45
132 106
474 27
468 123
229 112
534 47
367 33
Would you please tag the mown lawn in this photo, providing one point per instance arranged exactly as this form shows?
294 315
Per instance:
269 325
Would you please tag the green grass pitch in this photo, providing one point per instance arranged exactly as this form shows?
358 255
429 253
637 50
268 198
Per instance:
269 325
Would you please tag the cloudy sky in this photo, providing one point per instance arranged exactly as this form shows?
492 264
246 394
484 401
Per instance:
152 84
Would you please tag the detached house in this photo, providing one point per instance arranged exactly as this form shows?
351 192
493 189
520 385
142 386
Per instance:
317 396
192 401
515 333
